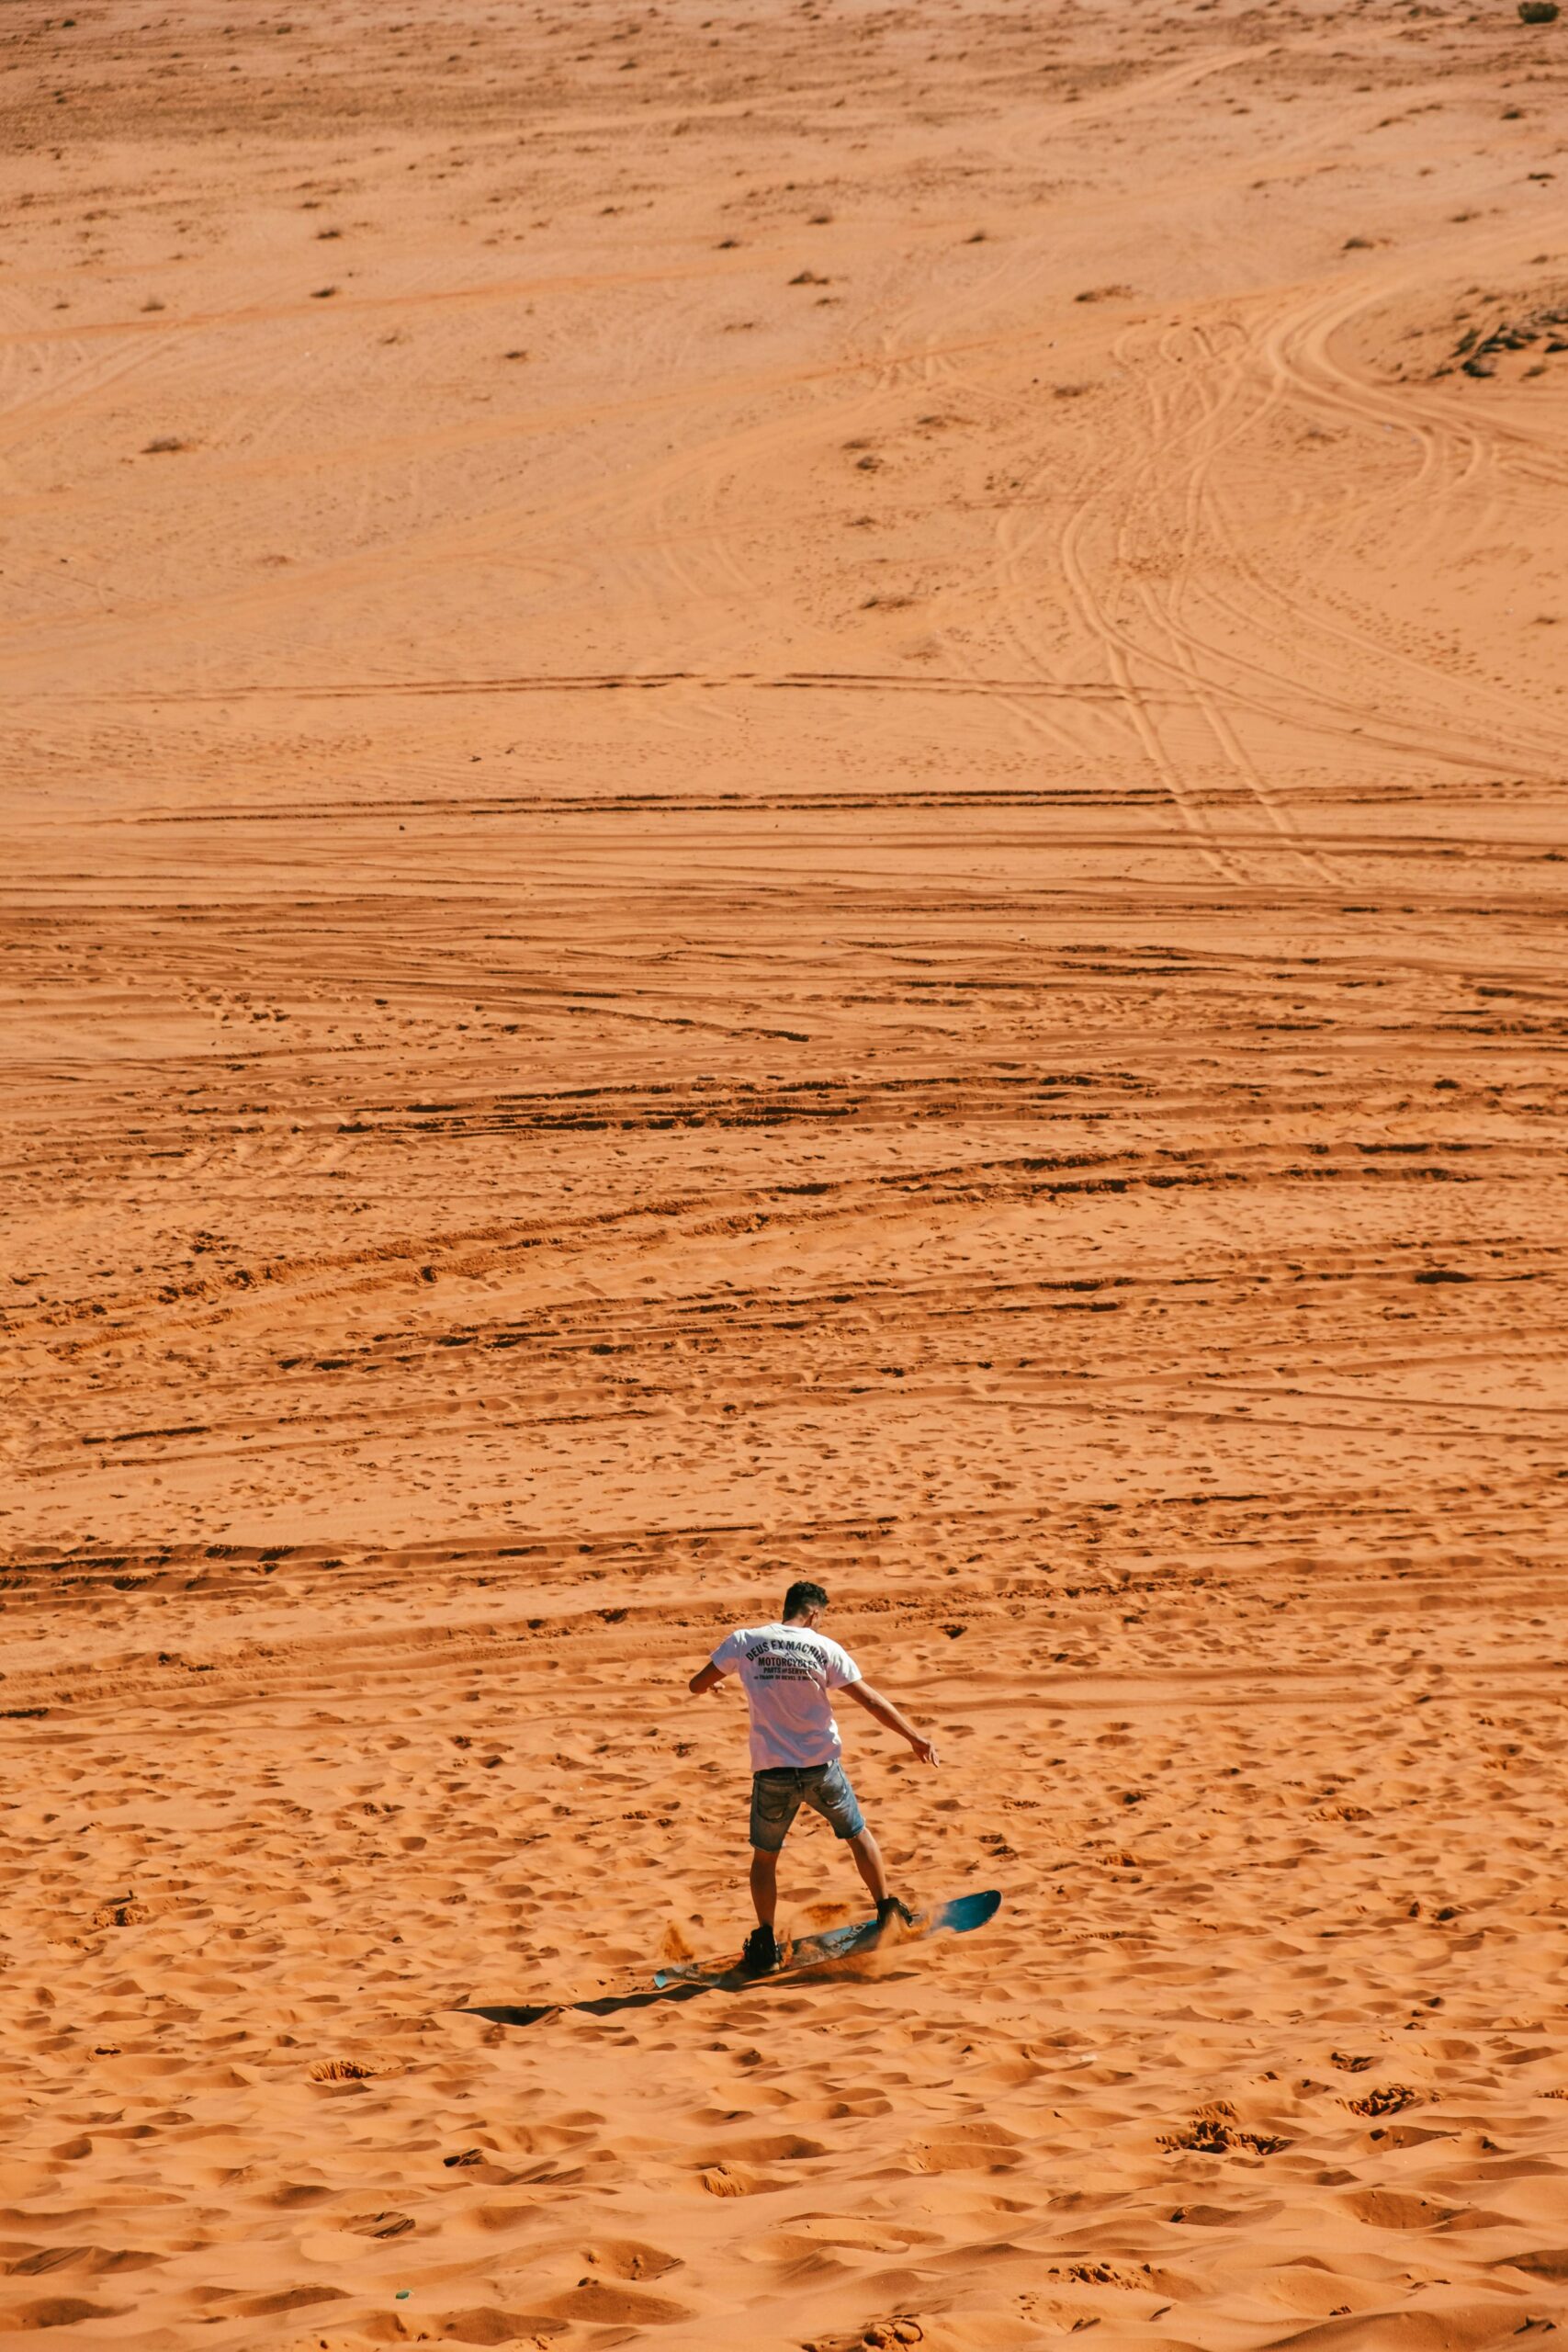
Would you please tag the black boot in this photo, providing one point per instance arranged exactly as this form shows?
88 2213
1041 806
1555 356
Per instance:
891 1908
760 1954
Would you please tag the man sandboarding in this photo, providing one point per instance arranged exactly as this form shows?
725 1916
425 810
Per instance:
786 1671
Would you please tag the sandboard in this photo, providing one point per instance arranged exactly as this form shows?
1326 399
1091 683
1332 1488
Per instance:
955 1918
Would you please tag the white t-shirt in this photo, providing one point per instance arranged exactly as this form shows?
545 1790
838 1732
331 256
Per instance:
786 1672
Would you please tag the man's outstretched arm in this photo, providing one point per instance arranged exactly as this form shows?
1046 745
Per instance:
708 1678
887 1712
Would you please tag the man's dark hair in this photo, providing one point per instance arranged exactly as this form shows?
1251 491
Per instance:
801 1597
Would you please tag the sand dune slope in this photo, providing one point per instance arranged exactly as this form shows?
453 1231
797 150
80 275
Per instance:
783 795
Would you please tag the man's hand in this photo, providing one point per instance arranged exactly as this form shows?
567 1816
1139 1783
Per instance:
708 1678
887 1712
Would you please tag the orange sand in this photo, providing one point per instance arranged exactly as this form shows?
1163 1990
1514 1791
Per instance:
1014 1066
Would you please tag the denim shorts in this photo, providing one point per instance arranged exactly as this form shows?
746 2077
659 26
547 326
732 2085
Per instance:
778 1796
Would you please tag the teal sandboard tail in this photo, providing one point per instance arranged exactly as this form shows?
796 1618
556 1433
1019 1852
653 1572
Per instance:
955 1918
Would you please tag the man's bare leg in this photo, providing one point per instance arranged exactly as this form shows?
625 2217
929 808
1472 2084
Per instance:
765 1884
765 1875
868 1861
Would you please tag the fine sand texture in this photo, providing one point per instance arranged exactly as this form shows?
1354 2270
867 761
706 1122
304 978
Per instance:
783 793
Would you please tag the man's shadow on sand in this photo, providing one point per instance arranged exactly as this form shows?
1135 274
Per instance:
609 2004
